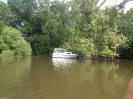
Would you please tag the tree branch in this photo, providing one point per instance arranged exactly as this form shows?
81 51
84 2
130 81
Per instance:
128 1
102 3
121 5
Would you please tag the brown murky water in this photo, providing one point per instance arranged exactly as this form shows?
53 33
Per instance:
46 78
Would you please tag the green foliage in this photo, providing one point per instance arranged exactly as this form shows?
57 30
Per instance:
102 28
82 46
55 34
5 12
26 28
61 10
78 25
126 27
6 53
21 11
1 26
12 43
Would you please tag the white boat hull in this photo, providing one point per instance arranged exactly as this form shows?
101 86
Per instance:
64 56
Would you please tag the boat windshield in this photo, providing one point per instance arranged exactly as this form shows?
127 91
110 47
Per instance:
69 53
60 51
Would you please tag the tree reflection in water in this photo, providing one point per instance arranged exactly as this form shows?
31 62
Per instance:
95 76
12 70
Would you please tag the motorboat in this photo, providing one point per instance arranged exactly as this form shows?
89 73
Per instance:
63 53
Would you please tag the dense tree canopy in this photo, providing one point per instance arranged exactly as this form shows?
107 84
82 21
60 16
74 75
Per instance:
78 25
126 28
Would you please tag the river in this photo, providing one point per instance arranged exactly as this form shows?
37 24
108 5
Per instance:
47 78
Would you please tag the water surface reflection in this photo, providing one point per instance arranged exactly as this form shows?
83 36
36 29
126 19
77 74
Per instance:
63 63
46 78
12 72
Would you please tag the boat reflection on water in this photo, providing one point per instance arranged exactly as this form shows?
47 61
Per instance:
63 63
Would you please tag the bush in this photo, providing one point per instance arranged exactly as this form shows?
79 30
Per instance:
12 43
7 53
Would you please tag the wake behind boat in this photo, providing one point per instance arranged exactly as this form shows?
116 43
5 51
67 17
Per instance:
63 53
